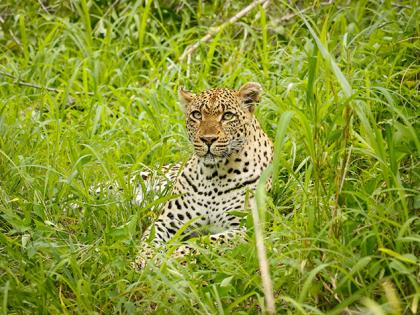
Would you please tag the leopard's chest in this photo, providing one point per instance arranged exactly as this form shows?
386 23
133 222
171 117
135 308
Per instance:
216 200
213 192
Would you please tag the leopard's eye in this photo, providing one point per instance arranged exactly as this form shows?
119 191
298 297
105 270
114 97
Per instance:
228 116
196 114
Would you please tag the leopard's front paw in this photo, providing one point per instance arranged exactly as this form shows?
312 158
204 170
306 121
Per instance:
184 250
139 263
146 253
186 254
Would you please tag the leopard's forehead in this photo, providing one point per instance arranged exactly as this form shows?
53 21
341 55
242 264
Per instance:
216 100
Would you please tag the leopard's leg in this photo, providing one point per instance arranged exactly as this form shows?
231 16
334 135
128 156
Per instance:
149 247
232 223
228 235
225 237
148 250
185 250
159 233
232 231
146 253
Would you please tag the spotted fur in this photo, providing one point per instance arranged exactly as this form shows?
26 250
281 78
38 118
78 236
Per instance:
230 153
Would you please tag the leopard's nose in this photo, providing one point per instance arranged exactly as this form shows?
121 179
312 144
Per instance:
209 139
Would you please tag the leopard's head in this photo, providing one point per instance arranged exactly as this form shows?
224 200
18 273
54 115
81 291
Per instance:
218 119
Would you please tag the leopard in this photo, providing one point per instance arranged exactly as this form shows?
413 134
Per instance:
230 153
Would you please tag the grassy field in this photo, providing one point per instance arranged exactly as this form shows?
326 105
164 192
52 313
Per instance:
341 98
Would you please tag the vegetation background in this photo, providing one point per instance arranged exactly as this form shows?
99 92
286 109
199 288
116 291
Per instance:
341 225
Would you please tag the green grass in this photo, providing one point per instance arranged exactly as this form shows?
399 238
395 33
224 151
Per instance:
341 225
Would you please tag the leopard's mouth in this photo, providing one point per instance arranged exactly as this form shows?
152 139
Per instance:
212 153
218 152
209 158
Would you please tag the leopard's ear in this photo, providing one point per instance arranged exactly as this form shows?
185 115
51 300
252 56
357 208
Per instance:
250 94
185 97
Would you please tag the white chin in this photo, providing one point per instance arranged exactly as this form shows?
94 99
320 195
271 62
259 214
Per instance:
209 159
